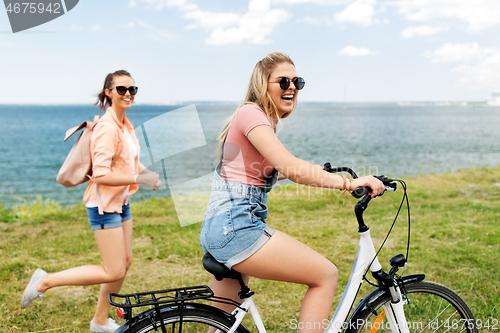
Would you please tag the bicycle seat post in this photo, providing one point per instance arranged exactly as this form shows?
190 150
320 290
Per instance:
245 291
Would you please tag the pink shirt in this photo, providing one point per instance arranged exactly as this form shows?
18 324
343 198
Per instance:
242 163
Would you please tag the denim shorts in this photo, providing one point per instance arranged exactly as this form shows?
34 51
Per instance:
234 226
108 220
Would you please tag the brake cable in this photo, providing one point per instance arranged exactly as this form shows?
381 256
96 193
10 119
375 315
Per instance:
405 196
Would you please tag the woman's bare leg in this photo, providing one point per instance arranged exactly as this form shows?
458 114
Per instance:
103 306
227 288
283 258
115 255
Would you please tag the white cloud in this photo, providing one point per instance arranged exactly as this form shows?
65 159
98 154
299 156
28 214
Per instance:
76 27
132 3
153 33
482 75
324 20
317 2
353 51
478 14
422 30
253 27
183 5
478 67
359 12
230 28
450 52
209 20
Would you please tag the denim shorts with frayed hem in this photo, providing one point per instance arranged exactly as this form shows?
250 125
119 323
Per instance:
234 226
108 220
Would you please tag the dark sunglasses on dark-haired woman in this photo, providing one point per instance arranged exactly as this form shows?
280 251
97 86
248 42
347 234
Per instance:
121 90
298 82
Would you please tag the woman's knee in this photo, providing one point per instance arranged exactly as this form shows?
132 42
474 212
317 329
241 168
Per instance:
327 276
128 262
333 273
116 273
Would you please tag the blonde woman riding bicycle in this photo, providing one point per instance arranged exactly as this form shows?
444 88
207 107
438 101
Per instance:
234 229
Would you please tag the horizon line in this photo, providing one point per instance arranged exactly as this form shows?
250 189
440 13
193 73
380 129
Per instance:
229 101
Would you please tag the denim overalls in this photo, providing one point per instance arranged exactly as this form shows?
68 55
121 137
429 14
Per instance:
234 225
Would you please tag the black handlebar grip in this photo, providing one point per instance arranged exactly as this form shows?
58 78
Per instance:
360 192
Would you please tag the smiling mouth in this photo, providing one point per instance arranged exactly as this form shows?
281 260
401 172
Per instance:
287 98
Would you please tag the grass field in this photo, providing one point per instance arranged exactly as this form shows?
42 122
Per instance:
455 241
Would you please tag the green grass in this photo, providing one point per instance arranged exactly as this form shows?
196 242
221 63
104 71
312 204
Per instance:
455 241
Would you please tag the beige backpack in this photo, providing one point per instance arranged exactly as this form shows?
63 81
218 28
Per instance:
77 168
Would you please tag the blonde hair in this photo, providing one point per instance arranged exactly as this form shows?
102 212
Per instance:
257 93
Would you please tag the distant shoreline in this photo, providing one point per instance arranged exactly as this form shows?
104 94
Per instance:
400 103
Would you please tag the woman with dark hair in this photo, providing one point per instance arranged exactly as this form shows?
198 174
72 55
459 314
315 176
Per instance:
106 200
234 229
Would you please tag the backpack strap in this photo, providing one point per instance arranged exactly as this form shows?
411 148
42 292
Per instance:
73 130
122 137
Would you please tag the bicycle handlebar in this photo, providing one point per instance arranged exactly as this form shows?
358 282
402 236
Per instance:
328 168
390 184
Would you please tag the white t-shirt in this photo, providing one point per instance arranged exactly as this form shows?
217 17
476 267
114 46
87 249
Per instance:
133 154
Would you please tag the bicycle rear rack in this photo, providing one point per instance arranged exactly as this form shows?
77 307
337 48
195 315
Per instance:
178 296
154 298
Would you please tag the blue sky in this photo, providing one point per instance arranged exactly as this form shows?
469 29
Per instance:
193 50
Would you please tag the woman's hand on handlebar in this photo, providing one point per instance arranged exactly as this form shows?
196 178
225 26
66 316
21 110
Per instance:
376 185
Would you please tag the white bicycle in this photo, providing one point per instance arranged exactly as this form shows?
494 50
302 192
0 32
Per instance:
399 304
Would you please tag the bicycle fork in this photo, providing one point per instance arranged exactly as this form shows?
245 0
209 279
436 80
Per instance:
394 310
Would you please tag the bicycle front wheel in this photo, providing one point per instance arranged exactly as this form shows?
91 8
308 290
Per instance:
430 307
197 320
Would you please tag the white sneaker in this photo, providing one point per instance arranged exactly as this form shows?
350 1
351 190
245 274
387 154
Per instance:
30 293
111 326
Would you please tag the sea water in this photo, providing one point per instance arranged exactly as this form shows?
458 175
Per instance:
382 138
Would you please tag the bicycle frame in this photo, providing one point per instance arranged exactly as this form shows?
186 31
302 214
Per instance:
366 254
366 257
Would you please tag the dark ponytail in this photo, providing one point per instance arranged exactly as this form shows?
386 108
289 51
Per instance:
102 99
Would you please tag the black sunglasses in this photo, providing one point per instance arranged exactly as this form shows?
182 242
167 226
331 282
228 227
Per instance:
121 90
298 82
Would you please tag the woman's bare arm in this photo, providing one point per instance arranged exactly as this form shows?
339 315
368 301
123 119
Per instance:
300 171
